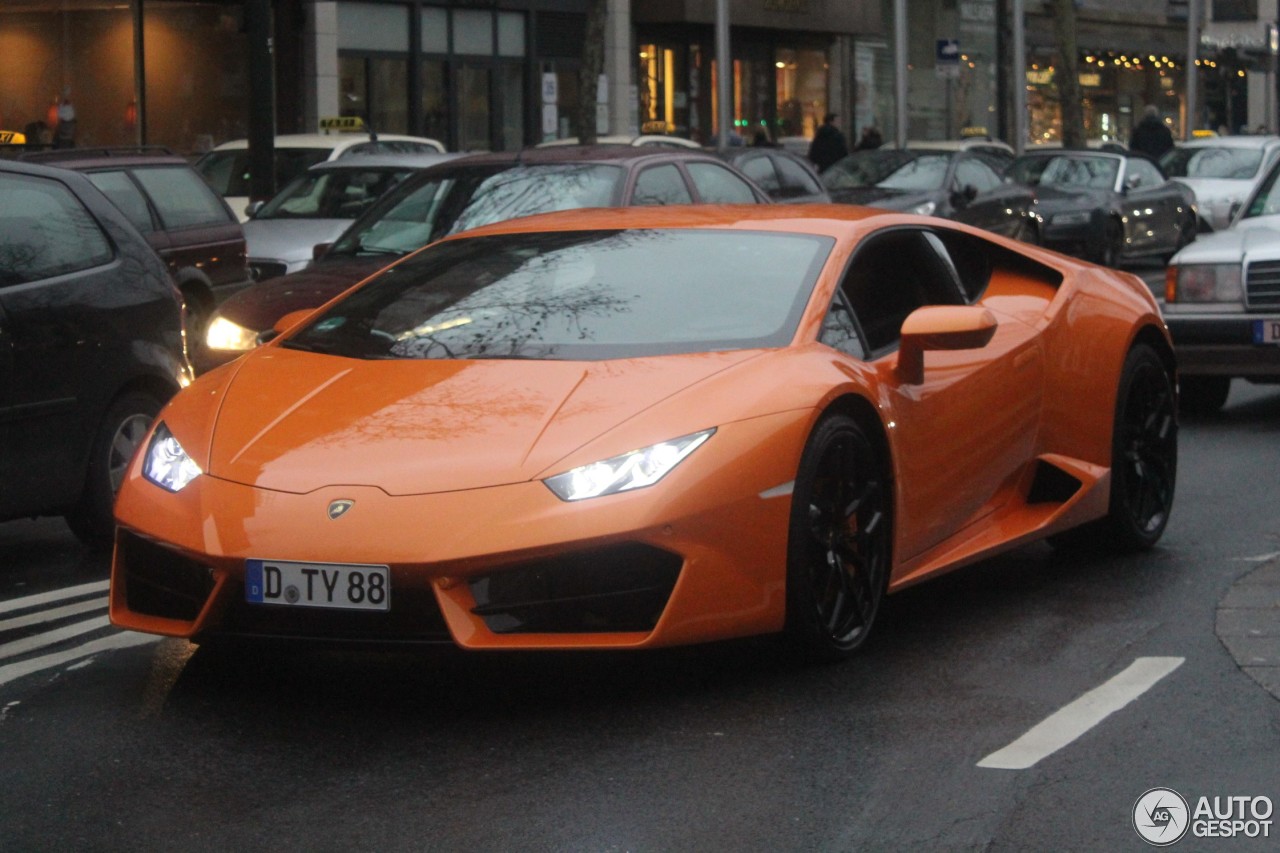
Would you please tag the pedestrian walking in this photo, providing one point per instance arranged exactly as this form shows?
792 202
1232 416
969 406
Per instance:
828 144
1151 136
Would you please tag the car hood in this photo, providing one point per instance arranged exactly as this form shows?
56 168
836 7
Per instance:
1052 199
289 240
1252 239
295 421
260 306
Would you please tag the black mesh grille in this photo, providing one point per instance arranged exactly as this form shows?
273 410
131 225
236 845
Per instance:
1262 284
620 588
414 617
161 582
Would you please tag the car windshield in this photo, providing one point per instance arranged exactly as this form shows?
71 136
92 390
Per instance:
332 193
578 295
1266 200
890 169
228 171
451 201
1212 162
1066 171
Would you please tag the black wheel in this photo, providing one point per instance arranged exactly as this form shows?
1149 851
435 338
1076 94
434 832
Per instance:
1111 246
1144 453
121 432
839 542
1028 232
1203 395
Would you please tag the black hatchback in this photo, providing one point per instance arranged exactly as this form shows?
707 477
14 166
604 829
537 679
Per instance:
91 346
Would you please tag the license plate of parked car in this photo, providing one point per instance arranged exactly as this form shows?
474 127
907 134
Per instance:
335 586
1266 331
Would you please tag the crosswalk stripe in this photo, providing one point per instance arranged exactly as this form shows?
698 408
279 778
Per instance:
122 640
52 615
49 638
55 595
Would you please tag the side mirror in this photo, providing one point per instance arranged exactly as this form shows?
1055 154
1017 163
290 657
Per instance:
319 249
941 327
1133 182
252 209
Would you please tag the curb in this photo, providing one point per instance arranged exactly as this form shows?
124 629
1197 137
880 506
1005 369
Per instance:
1248 625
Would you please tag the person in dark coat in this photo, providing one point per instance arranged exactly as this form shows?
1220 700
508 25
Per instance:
871 139
1151 136
828 144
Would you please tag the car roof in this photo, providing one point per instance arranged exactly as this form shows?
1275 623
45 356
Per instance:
622 139
328 140
103 157
1231 142
384 161
957 144
618 154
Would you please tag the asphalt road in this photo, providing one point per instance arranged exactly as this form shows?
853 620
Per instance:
918 743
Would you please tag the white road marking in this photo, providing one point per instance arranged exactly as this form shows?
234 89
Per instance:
55 595
52 615
49 638
1066 725
123 640
1261 558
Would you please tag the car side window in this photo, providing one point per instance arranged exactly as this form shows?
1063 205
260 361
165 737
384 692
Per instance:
892 274
124 194
661 185
760 169
795 180
1147 174
717 185
971 172
45 231
181 198
840 331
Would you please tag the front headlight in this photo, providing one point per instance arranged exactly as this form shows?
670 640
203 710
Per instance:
1078 218
226 335
1203 283
633 470
925 209
167 464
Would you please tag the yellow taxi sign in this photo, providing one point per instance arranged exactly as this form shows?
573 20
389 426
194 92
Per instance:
1201 133
342 124
657 126
12 137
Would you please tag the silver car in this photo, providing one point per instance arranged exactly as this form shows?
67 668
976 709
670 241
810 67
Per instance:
318 205
1222 302
1222 170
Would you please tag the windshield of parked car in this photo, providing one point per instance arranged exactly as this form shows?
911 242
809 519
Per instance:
1212 162
585 295
864 168
331 193
1266 199
1066 171
228 173
445 202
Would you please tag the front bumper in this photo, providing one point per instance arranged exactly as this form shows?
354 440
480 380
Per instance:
1223 345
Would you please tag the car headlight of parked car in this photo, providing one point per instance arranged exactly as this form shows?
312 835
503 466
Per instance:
925 209
1080 217
226 335
167 464
1203 283
633 470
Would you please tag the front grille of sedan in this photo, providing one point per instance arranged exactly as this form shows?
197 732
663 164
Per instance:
618 588
1262 284
161 582
414 617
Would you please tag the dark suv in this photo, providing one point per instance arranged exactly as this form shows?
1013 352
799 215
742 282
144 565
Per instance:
184 220
91 346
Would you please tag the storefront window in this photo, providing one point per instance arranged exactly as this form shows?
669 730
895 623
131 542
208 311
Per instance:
801 81
473 108
435 99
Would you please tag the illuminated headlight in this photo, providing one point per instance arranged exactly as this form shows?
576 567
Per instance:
925 209
633 470
1078 218
226 335
167 464
1204 283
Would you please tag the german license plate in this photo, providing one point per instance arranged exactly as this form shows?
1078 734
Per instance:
1266 331
334 586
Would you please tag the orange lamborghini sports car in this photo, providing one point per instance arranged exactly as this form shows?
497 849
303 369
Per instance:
646 427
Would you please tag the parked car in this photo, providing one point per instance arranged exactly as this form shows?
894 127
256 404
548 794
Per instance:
91 346
187 223
318 205
643 139
951 182
786 177
626 429
1222 171
1222 303
226 167
1106 207
474 191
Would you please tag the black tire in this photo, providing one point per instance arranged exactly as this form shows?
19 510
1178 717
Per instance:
839 542
1111 246
1203 395
1144 453
122 430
